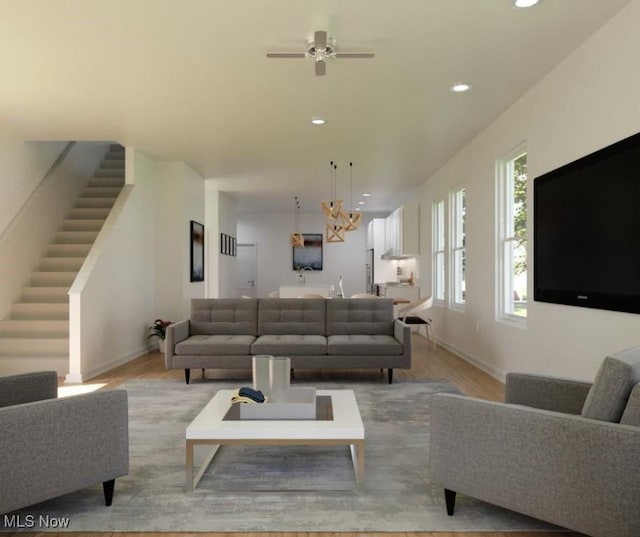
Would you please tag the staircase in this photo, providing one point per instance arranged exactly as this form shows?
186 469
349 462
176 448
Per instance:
36 334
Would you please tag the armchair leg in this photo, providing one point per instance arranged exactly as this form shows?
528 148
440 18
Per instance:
187 375
450 500
390 375
107 487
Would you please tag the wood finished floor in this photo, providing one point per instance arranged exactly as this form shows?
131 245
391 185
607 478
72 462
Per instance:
427 363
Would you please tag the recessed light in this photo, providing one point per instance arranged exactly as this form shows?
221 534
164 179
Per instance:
366 195
357 208
525 3
318 121
460 87
361 203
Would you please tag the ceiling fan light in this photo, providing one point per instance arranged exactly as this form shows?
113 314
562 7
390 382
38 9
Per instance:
460 87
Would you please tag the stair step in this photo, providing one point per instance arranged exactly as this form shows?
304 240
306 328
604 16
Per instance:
41 294
100 202
106 182
89 213
68 250
35 329
112 163
82 224
52 279
101 192
61 264
115 155
109 173
14 365
116 148
54 347
75 237
39 311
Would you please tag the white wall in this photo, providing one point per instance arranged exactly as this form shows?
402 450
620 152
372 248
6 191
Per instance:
22 167
271 232
589 101
220 218
179 198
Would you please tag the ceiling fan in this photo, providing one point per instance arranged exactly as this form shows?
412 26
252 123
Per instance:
320 48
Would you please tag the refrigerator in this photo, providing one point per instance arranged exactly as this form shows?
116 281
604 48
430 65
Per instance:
370 283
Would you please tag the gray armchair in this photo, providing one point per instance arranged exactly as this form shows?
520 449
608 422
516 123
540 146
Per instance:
562 451
51 446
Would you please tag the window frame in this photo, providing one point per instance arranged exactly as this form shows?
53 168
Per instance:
506 237
457 245
439 264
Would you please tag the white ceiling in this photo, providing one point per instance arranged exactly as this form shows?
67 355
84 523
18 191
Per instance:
189 80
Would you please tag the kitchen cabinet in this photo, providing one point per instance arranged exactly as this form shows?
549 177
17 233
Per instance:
402 231
410 292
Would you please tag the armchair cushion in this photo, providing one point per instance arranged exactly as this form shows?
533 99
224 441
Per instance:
28 387
631 415
614 381
547 393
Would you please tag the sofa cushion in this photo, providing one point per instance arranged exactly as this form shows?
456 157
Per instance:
363 345
614 381
216 345
346 316
289 345
224 316
631 414
292 316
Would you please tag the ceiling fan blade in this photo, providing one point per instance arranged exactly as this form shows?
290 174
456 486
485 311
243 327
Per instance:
285 55
355 55
320 40
321 68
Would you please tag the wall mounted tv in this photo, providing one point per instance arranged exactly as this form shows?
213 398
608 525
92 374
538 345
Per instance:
586 230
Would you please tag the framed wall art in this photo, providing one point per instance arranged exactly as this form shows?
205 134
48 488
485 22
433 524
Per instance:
197 252
309 255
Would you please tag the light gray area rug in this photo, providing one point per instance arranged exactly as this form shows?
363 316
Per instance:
279 488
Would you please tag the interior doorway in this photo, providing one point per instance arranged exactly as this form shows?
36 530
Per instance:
246 270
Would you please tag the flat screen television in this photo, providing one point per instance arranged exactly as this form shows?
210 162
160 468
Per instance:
586 230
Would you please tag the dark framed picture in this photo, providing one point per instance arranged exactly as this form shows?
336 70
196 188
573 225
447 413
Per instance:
227 246
222 244
197 252
309 255
233 246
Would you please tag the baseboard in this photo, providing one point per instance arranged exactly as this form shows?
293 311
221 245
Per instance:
497 374
107 366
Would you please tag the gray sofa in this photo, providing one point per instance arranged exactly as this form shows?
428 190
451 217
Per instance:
50 446
225 333
563 451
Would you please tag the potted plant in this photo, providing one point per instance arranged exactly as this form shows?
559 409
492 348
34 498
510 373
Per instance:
159 330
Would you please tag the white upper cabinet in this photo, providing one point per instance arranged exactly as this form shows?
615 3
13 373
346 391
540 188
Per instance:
402 231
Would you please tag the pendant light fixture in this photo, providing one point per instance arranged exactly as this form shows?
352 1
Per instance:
333 208
297 240
351 221
334 230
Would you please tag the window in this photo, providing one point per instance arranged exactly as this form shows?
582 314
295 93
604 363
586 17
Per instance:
438 251
458 253
512 231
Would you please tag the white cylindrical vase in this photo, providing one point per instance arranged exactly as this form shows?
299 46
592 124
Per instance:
279 375
261 373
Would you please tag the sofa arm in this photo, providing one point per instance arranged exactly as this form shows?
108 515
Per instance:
28 387
54 447
402 332
547 393
175 333
568 470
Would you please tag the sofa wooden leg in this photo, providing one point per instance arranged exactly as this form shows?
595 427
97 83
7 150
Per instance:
187 375
450 500
390 375
107 487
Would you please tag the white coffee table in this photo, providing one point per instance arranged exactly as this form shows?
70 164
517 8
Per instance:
209 427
